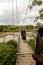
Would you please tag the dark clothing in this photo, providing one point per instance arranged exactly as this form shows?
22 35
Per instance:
23 34
39 45
38 54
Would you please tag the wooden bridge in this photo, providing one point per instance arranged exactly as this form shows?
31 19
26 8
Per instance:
24 55
24 51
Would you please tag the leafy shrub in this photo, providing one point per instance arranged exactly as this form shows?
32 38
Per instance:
8 53
12 42
32 43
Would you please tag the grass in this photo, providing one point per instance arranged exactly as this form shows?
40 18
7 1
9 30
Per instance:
32 43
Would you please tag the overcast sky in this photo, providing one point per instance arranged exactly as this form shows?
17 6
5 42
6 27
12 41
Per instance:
6 17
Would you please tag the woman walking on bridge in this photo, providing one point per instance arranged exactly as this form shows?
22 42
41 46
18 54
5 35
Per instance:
23 34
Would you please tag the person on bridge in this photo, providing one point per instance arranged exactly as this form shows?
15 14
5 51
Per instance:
38 54
23 34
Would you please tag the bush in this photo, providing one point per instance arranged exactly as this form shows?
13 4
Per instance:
32 43
8 53
12 42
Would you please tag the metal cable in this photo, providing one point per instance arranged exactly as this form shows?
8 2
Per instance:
19 29
17 12
26 12
12 13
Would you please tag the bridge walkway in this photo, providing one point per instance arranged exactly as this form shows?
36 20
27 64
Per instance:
24 56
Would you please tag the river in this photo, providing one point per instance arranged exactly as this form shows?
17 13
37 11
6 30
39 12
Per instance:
6 36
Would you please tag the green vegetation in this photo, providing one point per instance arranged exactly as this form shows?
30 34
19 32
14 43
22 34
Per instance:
40 15
8 52
37 3
29 28
32 43
40 11
8 28
15 28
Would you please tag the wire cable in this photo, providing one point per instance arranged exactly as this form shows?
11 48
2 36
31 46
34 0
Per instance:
17 12
26 12
12 13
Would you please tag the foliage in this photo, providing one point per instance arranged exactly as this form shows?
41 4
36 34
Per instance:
40 15
29 28
8 53
39 3
32 43
36 2
15 28
12 42
40 11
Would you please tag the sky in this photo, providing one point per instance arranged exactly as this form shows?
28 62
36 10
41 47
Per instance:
8 15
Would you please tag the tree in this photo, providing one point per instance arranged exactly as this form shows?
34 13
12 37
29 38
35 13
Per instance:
39 3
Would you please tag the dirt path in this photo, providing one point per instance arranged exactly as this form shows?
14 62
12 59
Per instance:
25 54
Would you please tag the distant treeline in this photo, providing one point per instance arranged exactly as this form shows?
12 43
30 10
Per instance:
12 28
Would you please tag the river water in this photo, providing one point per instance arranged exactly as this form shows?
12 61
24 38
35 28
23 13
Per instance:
8 36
